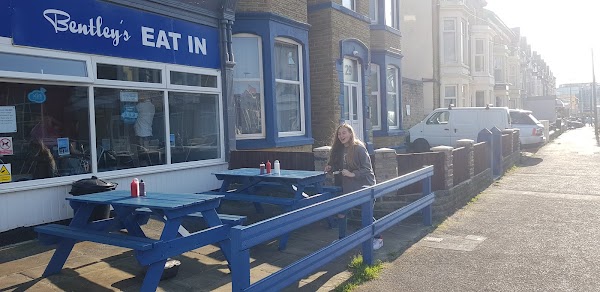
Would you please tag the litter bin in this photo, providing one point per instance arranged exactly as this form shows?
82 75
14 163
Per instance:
94 185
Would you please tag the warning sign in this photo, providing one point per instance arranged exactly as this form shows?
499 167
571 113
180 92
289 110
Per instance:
6 146
5 173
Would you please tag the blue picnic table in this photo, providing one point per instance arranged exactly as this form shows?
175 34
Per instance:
295 189
172 208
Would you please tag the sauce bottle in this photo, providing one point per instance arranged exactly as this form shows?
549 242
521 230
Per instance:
277 167
268 166
135 188
142 188
262 168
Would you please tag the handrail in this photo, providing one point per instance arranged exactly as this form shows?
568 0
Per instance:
245 237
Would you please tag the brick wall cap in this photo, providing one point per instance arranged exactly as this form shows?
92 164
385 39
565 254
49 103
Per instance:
322 148
441 148
385 150
465 141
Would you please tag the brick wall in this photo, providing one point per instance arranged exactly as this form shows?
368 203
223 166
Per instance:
412 94
292 9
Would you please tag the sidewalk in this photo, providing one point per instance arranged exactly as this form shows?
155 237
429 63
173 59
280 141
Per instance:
536 229
96 267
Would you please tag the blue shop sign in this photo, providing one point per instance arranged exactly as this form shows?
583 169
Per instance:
96 27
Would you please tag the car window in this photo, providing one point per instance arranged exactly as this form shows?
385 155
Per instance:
522 118
439 118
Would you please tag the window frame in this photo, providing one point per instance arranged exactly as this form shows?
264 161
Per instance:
397 97
300 84
376 112
446 97
132 63
394 15
8 48
449 32
374 11
479 55
261 81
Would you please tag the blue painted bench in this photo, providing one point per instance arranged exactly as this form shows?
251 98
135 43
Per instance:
227 219
51 233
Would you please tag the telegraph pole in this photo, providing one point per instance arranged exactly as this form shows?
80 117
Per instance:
594 102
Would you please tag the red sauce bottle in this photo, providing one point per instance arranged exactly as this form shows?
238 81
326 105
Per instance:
268 166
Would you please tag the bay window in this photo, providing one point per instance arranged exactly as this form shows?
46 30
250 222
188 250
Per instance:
392 12
480 59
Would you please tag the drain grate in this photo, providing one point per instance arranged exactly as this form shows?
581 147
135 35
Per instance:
452 242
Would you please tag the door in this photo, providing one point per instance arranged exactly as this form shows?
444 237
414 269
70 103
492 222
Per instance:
352 107
437 129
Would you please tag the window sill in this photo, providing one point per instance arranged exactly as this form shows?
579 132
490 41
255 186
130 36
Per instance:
280 142
386 28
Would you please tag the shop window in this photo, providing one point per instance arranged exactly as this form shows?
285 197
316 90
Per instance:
128 73
42 65
392 98
194 120
48 129
191 79
247 87
129 128
375 98
289 88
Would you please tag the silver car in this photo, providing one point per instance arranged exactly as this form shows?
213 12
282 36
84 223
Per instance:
531 130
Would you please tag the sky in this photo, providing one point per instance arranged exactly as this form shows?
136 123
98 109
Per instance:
564 33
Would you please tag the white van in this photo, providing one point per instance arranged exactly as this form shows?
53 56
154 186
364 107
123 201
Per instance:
444 126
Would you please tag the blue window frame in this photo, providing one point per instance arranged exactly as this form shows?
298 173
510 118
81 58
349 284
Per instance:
284 78
390 99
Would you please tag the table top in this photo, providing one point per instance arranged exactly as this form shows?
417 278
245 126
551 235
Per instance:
285 174
163 201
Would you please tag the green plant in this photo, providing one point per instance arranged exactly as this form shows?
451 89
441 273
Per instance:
361 273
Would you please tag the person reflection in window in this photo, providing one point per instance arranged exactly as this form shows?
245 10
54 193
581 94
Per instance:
43 162
143 123
46 131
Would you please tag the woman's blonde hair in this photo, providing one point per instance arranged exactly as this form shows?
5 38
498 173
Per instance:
337 148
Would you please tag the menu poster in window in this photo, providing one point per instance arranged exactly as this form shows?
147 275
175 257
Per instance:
63 146
8 119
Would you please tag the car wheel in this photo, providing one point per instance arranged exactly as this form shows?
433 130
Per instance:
421 145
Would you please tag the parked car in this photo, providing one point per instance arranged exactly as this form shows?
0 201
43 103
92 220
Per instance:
531 132
444 126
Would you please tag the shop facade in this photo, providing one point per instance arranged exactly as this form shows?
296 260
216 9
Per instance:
111 90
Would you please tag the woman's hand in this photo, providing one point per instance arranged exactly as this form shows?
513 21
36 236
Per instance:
348 173
327 168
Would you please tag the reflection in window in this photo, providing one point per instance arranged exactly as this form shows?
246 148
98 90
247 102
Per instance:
392 97
42 65
129 73
195 132
350 4
191 79
288 87
129 128
391 13
48 127
247 88
375 95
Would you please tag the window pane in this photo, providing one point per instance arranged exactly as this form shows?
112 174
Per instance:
374 78
129 73
392 110
248 105
350 70
42 65
289 117
450 91
190 79
286 61
346 109
195 126
449 46
51 135
354 103
246 52
348 4
391 13
448 102
129 128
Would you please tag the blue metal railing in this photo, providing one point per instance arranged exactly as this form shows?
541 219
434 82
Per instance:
245 237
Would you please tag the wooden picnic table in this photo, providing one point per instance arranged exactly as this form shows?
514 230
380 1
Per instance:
172 208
